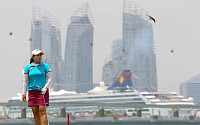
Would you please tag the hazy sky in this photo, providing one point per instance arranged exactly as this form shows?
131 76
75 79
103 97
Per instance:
177 27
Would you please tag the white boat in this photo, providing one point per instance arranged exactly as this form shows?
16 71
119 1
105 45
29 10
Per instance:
102 95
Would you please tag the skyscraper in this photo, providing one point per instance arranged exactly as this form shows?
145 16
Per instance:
138 43
191 88
135 52
45 35
111 68
78 60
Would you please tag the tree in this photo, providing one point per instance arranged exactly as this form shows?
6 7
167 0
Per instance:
176 114
63 112
134 114
101 113
139 113
23 113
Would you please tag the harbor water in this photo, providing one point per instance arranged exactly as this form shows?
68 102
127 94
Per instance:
104 121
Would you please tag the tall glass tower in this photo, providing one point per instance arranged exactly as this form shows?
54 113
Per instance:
45 35
111 69
138 47
135 53
78 60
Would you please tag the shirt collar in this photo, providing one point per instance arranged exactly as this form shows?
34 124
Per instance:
32 64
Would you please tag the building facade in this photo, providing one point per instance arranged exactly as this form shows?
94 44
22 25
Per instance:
138 47
136 50
78 60
110 69
191 88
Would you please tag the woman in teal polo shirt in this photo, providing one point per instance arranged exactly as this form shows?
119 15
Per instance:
37 78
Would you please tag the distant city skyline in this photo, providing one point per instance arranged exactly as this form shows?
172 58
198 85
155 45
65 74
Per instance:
75 72
177 27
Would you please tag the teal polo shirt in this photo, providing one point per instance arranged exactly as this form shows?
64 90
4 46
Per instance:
37 75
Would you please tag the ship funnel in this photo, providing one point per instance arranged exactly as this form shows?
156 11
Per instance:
124 81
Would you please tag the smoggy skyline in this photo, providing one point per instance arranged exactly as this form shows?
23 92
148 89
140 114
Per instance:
177 27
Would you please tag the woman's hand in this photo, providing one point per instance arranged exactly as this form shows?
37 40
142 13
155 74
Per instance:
24 98
44 89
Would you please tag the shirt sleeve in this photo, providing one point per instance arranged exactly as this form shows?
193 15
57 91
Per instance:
47 68
49 78
26 70
25 84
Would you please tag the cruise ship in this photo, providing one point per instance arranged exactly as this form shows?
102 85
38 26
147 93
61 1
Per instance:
100 94
121 91
167 98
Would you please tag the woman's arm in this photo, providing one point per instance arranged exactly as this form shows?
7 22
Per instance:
49 78
25 84
24 87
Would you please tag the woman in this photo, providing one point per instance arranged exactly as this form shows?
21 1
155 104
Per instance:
37 78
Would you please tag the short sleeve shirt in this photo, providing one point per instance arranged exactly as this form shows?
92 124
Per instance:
37 75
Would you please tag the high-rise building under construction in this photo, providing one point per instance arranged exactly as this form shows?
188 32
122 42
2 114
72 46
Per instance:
111 69
138 47
78 59
45 35
137 52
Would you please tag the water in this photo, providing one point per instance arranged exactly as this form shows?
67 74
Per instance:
103 121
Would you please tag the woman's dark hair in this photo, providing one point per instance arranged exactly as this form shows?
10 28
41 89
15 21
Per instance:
32 60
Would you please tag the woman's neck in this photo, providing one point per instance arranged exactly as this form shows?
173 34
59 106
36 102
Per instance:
37 62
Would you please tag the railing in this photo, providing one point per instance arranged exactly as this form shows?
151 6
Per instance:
105 104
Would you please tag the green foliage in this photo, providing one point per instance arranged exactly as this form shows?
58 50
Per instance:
23 113
176 114
154 116
139 113
109 114
100 113
134 114
63 112
73 117
5 117
115 116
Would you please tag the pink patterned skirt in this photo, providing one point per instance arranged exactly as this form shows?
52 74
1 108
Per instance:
35 98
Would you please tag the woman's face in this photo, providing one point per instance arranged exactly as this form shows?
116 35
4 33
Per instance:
37 58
